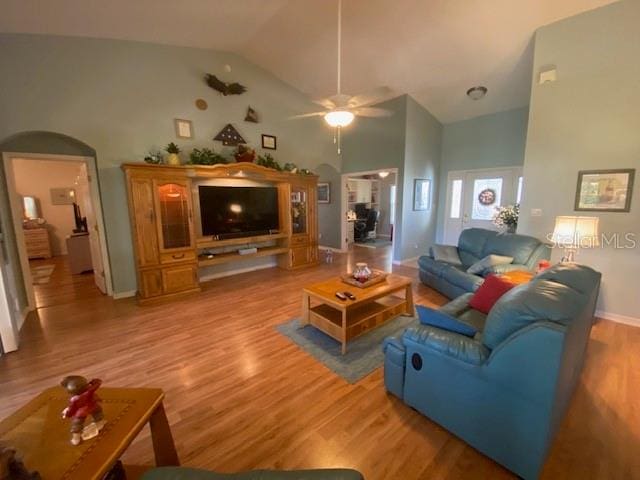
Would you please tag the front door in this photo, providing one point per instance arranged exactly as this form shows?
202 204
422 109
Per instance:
473 197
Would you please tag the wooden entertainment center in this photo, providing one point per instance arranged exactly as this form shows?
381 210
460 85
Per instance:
165 223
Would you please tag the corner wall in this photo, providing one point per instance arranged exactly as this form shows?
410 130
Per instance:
488 141
588 119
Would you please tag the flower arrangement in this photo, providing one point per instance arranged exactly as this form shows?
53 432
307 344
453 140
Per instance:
507 217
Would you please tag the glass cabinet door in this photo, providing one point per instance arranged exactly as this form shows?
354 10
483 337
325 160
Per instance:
174 208
299 213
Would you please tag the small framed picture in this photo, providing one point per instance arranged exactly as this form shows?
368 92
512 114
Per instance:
62 196
421 194
604 190
324 193
184 128
268 142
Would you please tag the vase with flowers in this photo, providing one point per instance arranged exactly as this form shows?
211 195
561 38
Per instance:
507 218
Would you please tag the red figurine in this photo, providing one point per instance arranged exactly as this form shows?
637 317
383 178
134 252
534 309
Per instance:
83 402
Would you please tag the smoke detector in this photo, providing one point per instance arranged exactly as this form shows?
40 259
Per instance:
476 93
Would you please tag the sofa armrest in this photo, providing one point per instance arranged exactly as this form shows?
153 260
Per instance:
446 343
507 267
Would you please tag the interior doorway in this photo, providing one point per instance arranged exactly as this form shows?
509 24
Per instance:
474 195
369 209
57 215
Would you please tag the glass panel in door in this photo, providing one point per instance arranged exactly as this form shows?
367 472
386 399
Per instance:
174 216
298 210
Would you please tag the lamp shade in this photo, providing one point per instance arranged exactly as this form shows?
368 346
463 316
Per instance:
576 232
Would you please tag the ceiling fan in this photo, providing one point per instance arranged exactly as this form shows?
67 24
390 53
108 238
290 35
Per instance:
341 109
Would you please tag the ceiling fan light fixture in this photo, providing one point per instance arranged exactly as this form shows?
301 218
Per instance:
476 93
339 118
383 174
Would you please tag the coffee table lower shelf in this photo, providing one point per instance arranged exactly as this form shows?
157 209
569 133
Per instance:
359 320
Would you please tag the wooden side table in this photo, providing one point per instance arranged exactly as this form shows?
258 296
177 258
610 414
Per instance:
41 436
518 276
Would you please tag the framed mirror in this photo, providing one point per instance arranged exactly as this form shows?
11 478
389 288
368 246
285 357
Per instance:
31 208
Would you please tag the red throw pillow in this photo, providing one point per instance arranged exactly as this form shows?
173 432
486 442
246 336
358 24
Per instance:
490 292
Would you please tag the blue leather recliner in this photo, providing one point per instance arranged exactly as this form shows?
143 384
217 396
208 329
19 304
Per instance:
473 245
504 391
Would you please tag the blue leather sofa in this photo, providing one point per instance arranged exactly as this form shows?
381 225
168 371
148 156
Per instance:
473 245
504 391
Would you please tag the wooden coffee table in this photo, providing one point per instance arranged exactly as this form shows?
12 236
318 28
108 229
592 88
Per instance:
41 437
345 320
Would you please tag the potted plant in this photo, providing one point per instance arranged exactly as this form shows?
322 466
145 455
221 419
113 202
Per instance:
507 217
244 153
268 161
173 150
205 156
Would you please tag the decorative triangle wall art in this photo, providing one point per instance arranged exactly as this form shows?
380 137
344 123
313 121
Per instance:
252 116
229 136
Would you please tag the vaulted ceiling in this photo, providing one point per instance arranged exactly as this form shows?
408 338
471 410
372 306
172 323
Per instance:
432 49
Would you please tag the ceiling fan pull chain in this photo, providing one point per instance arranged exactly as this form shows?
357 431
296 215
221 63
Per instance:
339 129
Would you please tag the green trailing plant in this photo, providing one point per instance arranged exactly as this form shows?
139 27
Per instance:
291 167
205 156
172 148
268 161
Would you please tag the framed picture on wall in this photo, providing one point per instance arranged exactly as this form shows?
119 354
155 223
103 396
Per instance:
324 193
268 142
421 194
604 190
184 128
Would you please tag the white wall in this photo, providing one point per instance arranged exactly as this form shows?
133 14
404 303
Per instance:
36 178
588 119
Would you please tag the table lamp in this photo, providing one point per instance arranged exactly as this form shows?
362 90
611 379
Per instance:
572 233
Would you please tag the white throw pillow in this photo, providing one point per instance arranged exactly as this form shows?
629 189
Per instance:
488 262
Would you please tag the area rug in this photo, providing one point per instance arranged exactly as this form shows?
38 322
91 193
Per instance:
376 243
42 275
364 354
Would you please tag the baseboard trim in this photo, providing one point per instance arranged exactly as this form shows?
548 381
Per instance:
23 317
333 249
213 276
409 262
614 317
128 294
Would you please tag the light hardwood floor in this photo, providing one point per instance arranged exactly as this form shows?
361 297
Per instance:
241 396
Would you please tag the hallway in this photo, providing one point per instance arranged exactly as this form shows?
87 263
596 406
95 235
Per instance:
63 287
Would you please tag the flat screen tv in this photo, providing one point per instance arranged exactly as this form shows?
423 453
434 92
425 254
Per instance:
235 212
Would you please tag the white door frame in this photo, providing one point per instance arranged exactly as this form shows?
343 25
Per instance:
343 203
16 211
461 174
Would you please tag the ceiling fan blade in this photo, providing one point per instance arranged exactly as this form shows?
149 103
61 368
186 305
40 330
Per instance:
340 100
307 115
372 112
326 103
377 95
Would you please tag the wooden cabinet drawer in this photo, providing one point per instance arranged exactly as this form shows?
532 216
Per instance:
150 283
187 256
299 240
178 279
299 256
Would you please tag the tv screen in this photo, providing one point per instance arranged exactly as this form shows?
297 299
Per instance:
230 212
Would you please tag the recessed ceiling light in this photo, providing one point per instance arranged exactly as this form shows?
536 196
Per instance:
476 93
